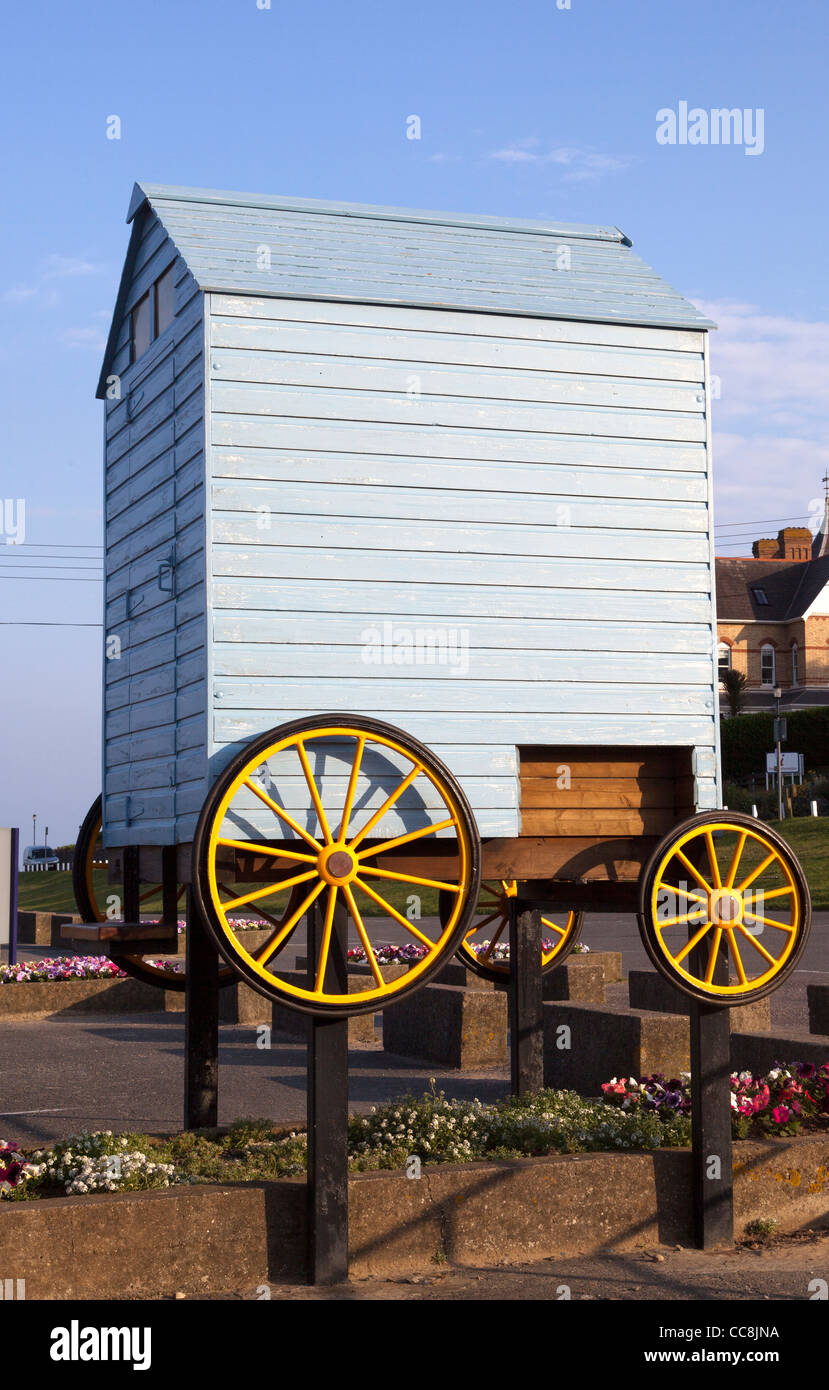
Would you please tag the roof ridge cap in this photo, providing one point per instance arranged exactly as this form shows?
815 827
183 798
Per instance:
579 231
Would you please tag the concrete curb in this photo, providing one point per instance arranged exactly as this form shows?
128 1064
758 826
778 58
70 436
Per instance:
63 998
212 1239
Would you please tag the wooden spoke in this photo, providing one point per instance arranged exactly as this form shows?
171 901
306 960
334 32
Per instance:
553 926
150 893
312 787
479 926
260 912
326 938
679 921
392 911
363 935
680 854
713 863
683 893
283 815
735 859
342 830
404 839
774 892
269 890
769 922
772 960
769 859
413 878
389 801
692 941
252 847
273 943
485 955
738 960
712 958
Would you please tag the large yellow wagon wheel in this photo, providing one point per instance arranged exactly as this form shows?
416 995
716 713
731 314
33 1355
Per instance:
101 901
482 949
724 908
338 804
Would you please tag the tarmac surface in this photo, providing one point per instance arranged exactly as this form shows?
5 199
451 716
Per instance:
62 1075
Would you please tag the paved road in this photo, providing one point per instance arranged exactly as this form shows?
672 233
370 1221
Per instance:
63 1075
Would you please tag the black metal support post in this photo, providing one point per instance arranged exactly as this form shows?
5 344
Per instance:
328 1117
525 1000
201 1025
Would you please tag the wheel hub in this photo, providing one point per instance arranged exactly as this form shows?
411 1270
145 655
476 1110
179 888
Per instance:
337 865
725 908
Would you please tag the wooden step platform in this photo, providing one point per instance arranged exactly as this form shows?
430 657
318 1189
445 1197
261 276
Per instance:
122 938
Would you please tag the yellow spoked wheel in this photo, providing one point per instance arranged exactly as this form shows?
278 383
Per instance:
485 946
354 815
98 900
724 908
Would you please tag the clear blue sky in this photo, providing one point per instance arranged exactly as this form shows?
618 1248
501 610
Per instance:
526 109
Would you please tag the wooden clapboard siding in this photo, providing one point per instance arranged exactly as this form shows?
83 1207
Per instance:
155 692
604 792
532 482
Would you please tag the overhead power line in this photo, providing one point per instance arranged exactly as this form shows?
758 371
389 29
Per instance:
769 521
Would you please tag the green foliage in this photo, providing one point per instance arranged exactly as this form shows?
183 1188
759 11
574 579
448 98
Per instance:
734 684
762 1229
747 738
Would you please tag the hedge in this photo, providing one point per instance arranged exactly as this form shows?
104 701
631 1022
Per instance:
747 738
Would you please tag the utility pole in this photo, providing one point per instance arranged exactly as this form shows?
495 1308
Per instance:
34 831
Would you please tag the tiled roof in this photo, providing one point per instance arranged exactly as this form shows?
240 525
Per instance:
789 586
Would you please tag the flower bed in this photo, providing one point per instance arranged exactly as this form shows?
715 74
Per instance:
408 955
791 1097
61 968
437 1129
632 1116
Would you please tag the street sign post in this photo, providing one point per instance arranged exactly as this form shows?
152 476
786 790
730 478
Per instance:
9 849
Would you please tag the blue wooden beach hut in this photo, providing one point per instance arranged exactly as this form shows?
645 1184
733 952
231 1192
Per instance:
448 472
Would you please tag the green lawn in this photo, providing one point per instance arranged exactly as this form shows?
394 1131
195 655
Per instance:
52 892
809 838
46 892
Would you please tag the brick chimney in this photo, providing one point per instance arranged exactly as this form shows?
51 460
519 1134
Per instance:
793 543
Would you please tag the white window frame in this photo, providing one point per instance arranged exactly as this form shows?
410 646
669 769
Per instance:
767 647
795 664
723 657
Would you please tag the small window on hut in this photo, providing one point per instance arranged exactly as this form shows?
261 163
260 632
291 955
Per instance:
140 327
164 294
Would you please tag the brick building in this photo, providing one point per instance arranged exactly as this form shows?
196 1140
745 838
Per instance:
773 617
